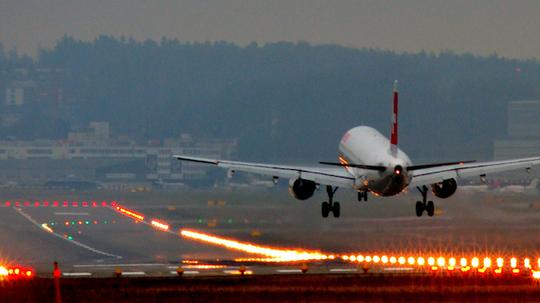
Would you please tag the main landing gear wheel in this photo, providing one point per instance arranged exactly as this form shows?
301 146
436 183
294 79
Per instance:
325 209
330 206
428 206
419 208
430 209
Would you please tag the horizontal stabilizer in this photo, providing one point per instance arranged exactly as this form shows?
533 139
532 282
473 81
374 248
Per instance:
423 166
368 167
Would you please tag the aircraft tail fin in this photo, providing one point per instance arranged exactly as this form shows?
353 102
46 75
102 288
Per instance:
394 130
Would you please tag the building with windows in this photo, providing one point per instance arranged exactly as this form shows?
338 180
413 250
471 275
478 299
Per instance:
523 139
91 154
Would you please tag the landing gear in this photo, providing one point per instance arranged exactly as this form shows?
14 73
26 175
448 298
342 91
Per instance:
362 196
428 206
330 206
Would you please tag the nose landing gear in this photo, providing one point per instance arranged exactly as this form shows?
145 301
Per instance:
330 206
428 206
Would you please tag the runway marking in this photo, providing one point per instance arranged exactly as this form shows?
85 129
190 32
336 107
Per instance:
120 265
133 273
343 270
70 214
398 269
77 274
289 270
75 242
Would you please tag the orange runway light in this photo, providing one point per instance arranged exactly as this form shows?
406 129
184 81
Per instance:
513 262
384 259
360 258
159 225
368 259
376 259
498 270
500 262
47 228
441 261
536 275
527 263
282 254
452 262
411 260
431 261
393 260
463 262
130 213
205 266
487 262
465 268
3 271
515 270
401 260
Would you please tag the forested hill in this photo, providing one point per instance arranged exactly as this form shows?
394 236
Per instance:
287 101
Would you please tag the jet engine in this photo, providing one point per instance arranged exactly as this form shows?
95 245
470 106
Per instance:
444 189
301 189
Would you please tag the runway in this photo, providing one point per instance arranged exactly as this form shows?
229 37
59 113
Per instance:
96 240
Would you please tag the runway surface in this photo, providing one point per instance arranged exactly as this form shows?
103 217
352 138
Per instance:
96 241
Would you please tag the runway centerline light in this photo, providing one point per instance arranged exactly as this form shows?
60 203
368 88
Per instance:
368 259
376 259
384 259
463 262
401 260
431 261
421 261
393 260
500 262
411 260
452 262
360 258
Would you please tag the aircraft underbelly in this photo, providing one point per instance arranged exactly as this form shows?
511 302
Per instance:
390 185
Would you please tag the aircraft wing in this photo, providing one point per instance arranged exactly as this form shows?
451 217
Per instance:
456 171
335 176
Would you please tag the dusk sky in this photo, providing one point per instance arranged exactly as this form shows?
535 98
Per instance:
508 28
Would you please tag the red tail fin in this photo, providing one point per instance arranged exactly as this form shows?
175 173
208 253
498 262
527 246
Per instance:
394 133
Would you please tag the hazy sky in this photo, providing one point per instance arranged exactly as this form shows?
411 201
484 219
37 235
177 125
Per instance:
509 28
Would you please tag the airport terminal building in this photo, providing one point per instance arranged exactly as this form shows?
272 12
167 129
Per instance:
523 135
92 155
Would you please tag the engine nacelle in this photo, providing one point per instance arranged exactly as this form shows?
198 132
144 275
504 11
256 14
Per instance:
301 189
444 189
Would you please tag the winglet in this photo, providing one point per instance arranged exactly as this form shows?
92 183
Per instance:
394 131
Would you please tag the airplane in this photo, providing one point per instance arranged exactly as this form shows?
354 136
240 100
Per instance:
371 163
